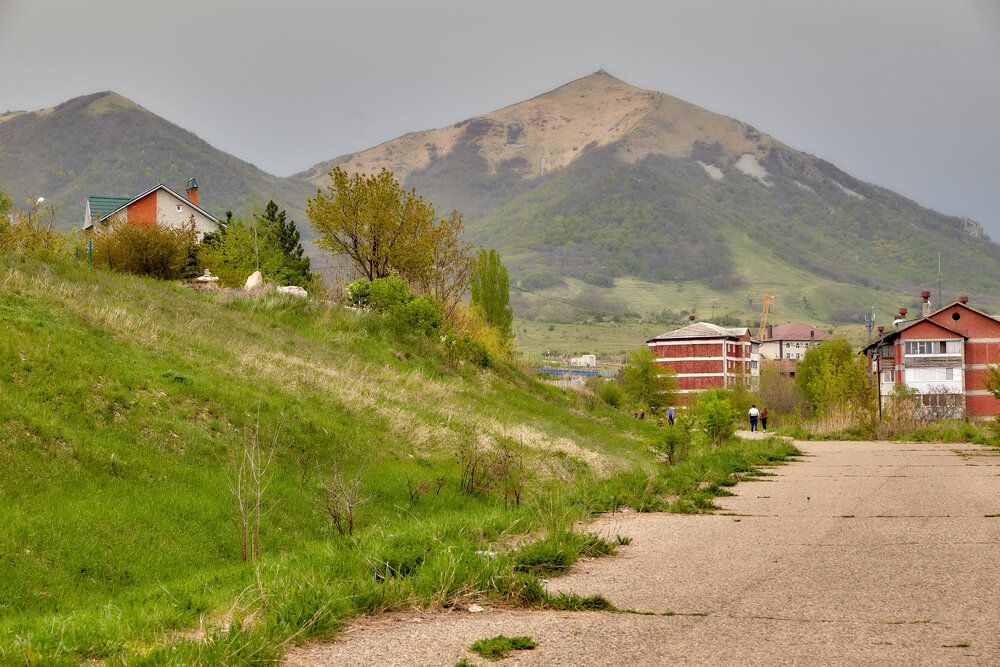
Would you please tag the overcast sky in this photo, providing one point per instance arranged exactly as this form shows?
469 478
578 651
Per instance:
902 93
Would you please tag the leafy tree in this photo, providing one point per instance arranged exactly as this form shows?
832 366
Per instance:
819 366
267 243
716 416
375 222
646 382
491 292
452 264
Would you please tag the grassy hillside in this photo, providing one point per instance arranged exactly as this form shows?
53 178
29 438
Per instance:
107 144
125 401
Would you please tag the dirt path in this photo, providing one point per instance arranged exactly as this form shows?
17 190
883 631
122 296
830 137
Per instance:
860 552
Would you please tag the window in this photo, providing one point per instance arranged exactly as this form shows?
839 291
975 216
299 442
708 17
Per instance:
925 347
797 345
179 209
788 344
888 376
929 374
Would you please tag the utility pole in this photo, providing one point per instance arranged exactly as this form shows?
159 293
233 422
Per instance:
870 323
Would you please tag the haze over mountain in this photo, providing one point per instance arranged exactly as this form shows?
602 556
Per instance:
606 183
106 144
615 198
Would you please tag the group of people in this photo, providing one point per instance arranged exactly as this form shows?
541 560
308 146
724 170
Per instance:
756 415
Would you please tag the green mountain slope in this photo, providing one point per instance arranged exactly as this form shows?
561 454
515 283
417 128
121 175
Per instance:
106 144
601 182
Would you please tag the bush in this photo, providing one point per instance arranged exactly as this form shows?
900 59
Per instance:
612 394
465 347
675 441
147 250
387 294
715 416
421 314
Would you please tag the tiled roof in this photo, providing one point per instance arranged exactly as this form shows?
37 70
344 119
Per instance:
100 206
703 330
797 331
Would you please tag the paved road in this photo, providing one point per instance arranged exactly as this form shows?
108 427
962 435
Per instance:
858 552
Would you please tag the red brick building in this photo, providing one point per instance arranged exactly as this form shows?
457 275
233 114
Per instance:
704 355
942 356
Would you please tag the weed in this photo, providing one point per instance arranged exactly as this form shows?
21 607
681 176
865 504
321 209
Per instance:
574 602
500 647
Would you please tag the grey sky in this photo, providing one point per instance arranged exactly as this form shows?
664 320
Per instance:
904 94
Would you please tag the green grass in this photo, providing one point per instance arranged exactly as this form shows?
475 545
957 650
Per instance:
123 402
501 646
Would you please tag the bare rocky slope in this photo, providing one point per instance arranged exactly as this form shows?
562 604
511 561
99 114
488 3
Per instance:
601 181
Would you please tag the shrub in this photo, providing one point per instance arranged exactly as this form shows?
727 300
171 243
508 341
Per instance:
465 347
612 394
715 416
31 235
675 440
387 294
148 250
422 314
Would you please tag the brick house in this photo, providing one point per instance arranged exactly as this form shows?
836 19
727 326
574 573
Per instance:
704 355
942 355
160 205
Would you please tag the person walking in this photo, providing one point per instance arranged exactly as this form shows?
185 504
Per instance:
763 419
754 415
670 415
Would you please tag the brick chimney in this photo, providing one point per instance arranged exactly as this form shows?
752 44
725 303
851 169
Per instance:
881 329
902 313
926 306
691 317
963 299
192 191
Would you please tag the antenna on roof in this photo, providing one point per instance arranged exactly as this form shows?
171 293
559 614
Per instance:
940 302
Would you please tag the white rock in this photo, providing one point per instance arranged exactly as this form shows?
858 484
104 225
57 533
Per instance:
254 282
294 290
475 608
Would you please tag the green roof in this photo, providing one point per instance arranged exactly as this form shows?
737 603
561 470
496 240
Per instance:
100 206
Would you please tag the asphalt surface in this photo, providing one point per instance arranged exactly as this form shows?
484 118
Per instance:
859 552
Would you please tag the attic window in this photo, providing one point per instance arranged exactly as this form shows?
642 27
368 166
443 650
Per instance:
956 316
179 208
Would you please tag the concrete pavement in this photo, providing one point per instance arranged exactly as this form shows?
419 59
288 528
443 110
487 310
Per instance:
865 552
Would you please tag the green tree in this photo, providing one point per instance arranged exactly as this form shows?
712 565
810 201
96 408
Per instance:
646 382
266 243
491 292
294 266
716 416
375 222
818 368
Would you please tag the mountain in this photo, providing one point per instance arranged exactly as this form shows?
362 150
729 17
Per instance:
609 193
107 144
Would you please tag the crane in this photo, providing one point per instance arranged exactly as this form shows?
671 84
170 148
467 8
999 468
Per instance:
763 314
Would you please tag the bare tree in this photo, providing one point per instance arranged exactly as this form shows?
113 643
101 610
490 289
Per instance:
249 479
340 500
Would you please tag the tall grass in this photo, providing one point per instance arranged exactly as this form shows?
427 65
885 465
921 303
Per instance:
123 399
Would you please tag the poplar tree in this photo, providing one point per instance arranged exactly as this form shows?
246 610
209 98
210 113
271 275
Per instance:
491 292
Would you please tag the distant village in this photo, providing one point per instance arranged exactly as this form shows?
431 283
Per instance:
940 356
